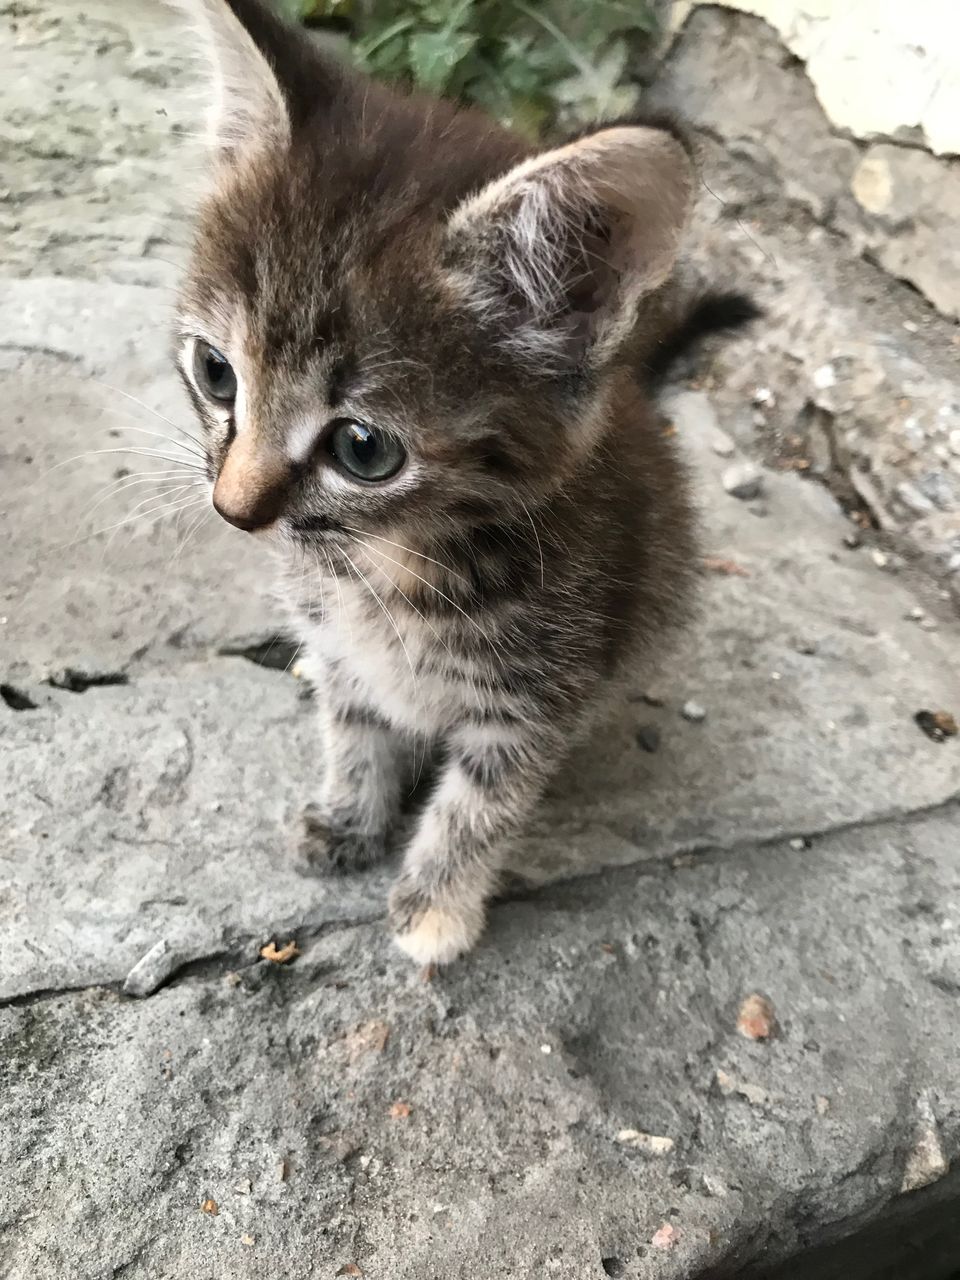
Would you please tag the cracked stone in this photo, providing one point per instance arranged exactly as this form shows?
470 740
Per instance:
658 887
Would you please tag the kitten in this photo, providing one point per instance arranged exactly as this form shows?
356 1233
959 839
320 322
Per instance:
418 348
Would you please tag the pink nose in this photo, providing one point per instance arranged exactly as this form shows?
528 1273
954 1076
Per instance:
251 490
256 512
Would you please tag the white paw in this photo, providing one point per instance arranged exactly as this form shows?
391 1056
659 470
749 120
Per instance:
438 934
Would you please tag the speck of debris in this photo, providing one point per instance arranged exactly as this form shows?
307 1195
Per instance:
693 712
653 699
808 647
648 737
649 1142
545 1048
211 1207
243 1187
756 1019
247 1240
280 955
400 1111
916 614
822 1104
665 1237
799 843
852 541
879 558
937 725
350 1269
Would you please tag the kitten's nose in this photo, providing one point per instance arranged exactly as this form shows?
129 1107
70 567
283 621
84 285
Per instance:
252 487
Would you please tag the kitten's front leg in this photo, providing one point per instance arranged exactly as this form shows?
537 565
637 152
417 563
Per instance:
486 791
347 828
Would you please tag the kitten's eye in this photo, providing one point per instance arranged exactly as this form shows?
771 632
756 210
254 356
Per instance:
366 452
214 373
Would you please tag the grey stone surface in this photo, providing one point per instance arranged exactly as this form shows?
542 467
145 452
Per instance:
800 841
861 376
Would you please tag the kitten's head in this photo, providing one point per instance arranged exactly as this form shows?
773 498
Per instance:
398 318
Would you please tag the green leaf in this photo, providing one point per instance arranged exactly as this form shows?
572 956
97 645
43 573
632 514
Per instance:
531 63
435 55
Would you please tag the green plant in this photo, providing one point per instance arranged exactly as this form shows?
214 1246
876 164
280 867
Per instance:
532 63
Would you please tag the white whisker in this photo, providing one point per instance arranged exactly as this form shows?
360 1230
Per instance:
409 551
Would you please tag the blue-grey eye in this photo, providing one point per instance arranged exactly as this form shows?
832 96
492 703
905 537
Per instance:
366 452
214 373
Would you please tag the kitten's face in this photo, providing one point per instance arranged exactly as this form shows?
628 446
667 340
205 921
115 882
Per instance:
348 387
396 321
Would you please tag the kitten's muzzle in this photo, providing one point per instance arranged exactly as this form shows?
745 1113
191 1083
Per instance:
253 486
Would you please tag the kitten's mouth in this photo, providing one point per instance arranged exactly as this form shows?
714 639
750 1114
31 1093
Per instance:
312 525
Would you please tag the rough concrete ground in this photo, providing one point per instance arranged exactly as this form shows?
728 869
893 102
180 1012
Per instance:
801 841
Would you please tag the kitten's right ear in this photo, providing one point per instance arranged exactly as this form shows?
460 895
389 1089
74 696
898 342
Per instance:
261 70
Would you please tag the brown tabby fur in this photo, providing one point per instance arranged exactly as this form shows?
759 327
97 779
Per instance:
354 261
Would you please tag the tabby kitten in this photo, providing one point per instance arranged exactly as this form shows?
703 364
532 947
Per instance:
413 341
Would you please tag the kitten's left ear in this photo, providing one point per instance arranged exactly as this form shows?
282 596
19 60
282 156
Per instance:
561 249
265 74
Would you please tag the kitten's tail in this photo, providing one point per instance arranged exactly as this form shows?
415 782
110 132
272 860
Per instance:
713 313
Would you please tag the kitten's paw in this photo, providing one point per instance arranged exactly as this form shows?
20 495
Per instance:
326 849
430 931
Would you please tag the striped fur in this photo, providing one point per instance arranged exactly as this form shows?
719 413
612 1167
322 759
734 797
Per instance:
407 264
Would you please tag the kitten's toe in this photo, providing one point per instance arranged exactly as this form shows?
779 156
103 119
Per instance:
325 849
433 931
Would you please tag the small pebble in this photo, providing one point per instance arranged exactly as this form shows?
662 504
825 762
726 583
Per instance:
852 541
808 647
824 378
937 725
721 444
879 558
648 738
545 1048
665 1237
693 712
916 614
799 842
646 1142
152 970
763 395
928 624
756 1019
743 480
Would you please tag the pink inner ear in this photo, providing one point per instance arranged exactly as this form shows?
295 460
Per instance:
565 244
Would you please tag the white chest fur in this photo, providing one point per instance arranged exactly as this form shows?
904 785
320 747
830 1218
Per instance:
392 659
